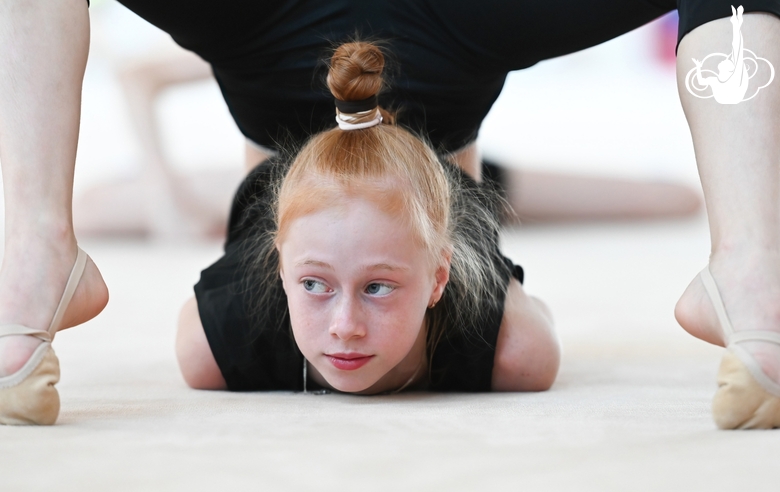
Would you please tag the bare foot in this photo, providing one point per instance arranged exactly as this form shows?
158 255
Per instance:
751 296
31 288
695 313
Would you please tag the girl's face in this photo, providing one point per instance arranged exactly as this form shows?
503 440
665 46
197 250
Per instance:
358 287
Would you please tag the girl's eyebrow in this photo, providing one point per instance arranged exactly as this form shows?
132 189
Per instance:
385 266
376 266
307 262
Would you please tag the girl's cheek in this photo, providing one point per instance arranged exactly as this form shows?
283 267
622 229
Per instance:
311 318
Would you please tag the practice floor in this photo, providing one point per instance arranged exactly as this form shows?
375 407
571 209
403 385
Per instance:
630 409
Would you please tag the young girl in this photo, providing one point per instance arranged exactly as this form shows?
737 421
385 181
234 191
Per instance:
366 265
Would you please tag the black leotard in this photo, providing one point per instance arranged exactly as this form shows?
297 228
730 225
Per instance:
450 57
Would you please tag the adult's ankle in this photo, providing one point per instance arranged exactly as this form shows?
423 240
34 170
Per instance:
56 234
745 246
745 257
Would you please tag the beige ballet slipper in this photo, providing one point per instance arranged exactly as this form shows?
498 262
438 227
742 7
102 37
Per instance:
746 397
740 402
34 400
28 396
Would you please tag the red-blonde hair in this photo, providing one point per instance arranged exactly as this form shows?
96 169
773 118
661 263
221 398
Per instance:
384 164
447 212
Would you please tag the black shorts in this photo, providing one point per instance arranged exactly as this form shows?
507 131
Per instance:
448 58
694 13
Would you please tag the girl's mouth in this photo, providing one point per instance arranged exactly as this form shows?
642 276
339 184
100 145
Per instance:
348 361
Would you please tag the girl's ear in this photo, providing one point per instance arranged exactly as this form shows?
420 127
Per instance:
442 277
281 271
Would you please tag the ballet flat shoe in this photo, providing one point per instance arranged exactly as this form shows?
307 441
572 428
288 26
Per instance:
28 397
34 400
740 402
746 397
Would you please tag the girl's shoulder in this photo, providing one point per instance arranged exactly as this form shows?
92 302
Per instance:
254 199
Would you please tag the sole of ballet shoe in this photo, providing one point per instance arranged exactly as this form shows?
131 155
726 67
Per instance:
28 397
746 397
33 400
740 402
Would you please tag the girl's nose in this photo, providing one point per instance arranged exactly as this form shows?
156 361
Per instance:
348 321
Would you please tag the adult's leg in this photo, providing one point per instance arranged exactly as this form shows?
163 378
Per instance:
42 62
738 154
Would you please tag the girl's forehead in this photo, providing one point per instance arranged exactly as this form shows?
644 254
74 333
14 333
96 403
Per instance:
360 215
372 188
352 230
329 196
388 210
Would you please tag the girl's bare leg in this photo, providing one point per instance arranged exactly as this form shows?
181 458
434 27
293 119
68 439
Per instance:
738 154
555 197
162 202
42 62
170 209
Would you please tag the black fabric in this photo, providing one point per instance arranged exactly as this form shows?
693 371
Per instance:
361 106
252 353
449 57
694 13
257 352
495 175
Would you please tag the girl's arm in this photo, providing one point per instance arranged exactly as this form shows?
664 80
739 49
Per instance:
528 352
196 362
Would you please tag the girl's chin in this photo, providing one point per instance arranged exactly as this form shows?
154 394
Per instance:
349 383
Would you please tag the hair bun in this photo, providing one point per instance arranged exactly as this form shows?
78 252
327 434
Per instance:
356 71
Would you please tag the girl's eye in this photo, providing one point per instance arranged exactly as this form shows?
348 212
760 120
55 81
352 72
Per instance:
379 289
314 286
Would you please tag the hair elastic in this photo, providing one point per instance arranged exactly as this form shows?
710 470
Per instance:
351 115
346 120
361 106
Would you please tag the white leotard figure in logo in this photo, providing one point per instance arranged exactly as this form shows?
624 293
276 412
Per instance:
730 84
